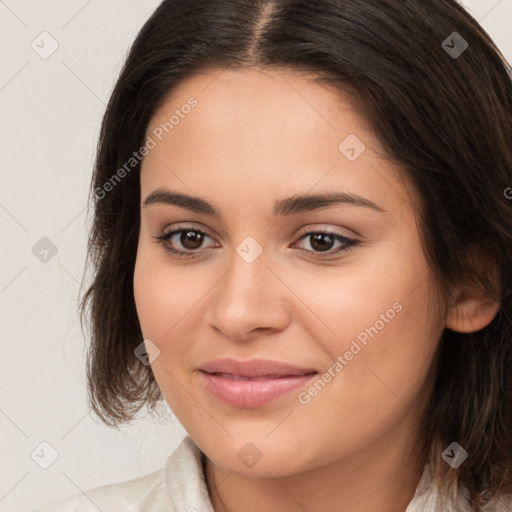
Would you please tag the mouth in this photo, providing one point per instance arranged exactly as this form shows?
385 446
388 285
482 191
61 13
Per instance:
254 368
261 377
253 383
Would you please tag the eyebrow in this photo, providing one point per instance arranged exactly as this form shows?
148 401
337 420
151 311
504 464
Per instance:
284 207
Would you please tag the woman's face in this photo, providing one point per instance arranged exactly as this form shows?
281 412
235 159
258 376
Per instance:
340 288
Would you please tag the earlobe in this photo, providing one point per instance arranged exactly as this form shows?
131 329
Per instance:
472 307
472 310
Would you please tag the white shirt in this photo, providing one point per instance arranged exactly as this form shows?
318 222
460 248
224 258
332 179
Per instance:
181 487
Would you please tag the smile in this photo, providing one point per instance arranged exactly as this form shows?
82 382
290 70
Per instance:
250 392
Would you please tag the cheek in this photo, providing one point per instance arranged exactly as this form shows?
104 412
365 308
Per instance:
170 303
385 365
163 295
389 374
375 315
375 294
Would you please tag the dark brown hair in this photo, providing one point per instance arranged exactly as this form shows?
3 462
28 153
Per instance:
444 118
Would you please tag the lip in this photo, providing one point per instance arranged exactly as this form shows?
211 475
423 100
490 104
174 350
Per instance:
254 368
252 383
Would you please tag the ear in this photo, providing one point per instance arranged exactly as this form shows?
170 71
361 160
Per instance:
472 308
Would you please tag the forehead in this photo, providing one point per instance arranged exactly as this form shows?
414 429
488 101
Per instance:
260 131
232 99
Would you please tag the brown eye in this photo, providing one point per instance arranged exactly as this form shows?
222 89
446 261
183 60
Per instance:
191 239
323 242
184 242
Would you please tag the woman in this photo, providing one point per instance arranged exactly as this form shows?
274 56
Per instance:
302 242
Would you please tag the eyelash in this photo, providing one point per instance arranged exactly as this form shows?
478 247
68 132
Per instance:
349 243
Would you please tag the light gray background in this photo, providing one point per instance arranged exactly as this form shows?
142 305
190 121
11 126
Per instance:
51 111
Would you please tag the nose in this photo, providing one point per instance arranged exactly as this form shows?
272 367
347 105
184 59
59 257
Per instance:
249 299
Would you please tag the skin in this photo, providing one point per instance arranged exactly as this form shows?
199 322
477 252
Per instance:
257 136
